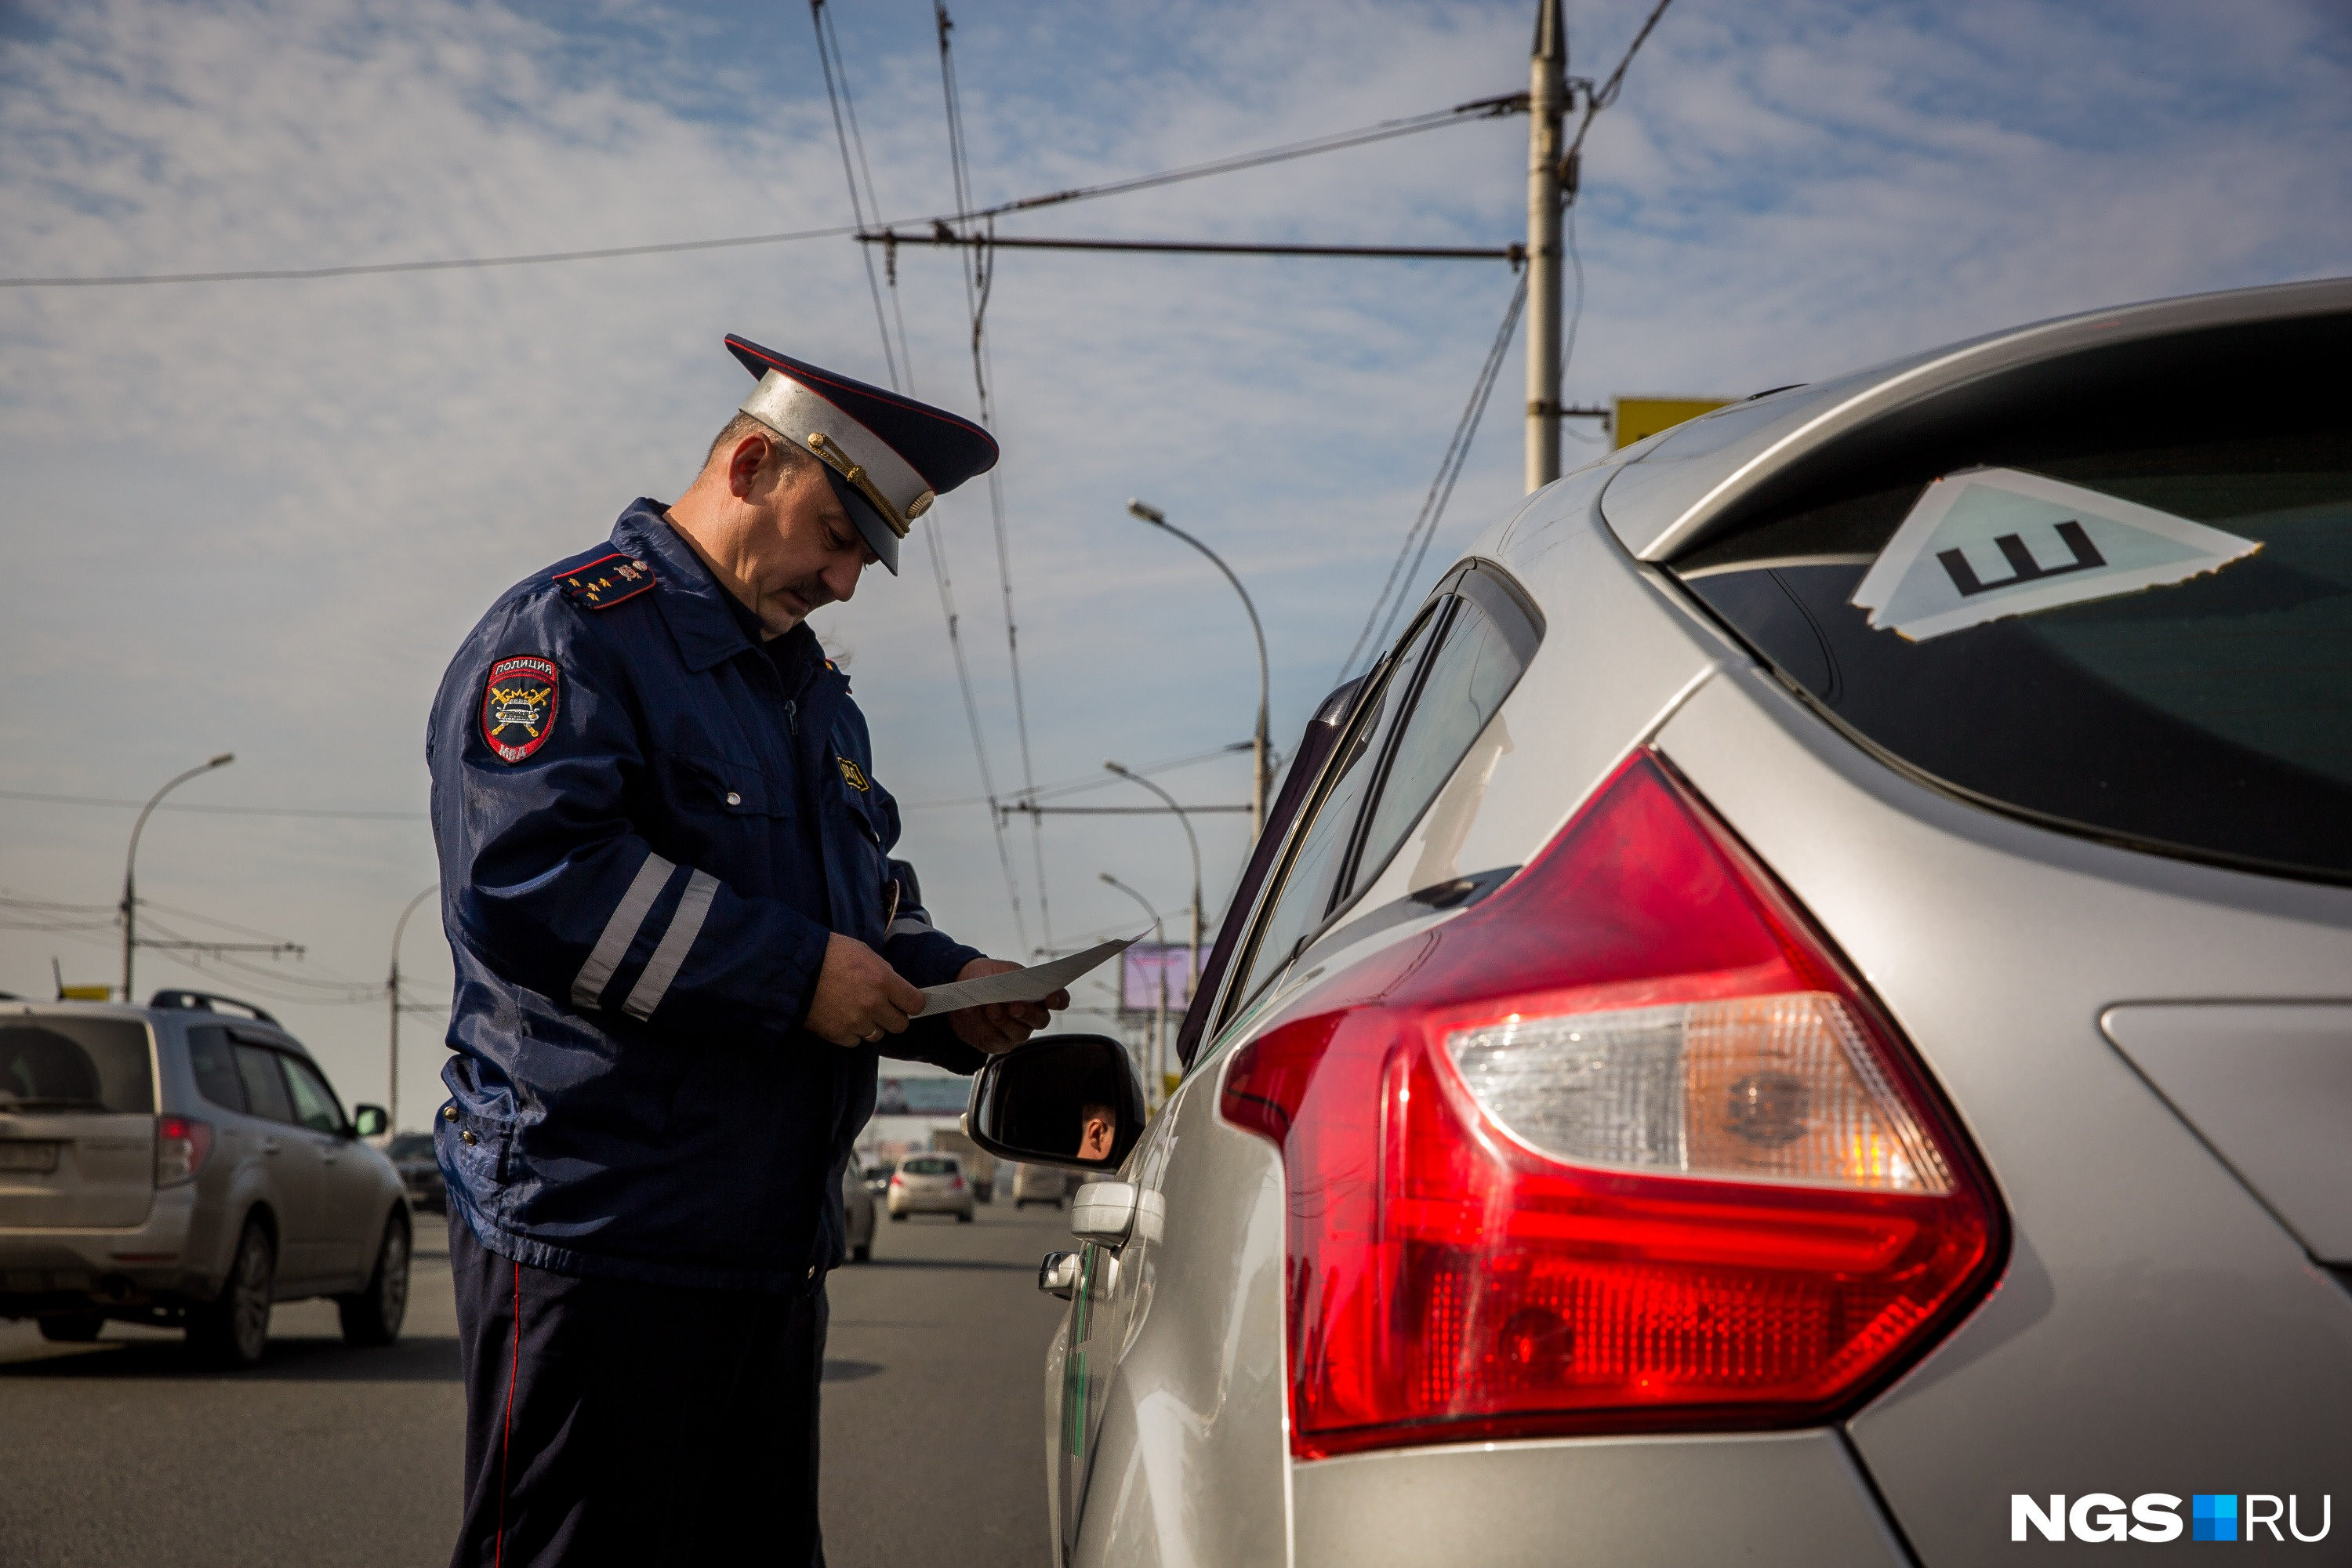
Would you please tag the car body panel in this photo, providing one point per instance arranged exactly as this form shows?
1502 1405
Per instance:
102 1175
1783 1497
2268 1087
1183 1459
2145 1280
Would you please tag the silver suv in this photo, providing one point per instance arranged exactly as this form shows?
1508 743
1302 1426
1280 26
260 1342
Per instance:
177 1164
1804 1013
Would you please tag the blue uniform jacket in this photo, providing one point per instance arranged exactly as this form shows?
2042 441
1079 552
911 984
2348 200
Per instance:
648 824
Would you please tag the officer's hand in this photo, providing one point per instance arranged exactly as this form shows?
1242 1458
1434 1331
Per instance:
1001 1026
859 997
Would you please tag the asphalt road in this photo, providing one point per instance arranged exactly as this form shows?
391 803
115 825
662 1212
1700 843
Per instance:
120 1453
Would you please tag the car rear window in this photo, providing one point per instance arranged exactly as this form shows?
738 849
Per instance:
2208 715
49 1063
930 1167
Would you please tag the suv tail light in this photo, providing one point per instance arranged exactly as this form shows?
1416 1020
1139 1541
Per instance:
1624 1147
181 1144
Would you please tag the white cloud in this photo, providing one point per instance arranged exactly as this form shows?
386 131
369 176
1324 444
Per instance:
259 516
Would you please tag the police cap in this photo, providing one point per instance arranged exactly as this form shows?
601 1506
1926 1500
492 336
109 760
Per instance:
888 456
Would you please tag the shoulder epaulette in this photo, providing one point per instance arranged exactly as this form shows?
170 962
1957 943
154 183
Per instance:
605 580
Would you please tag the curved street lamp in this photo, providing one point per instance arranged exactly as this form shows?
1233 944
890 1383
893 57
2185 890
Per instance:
1192 969
130 861
391 989
1158 519
1159 1013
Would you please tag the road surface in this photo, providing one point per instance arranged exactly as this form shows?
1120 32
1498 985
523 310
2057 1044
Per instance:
122 1454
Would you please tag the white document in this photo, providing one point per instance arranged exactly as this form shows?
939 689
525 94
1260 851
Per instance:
1032 985
1985 543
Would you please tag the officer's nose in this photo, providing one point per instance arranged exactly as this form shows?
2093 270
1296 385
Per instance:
842 576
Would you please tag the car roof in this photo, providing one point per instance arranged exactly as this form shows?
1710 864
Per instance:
275 1034
1671 492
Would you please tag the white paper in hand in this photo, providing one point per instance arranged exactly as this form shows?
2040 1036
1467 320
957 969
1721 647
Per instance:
1032 985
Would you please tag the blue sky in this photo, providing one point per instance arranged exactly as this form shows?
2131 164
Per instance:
257 516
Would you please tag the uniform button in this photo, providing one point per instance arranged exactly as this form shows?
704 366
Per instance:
448 1113
467 1136
811 1273
734 799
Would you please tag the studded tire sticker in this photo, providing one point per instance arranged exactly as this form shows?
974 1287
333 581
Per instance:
518 706
1986 543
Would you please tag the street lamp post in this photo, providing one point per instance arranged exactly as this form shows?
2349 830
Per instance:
1193 968
130 862
1158 519
1159 1013
392 990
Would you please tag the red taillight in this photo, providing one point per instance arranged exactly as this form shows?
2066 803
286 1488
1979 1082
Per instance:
955 1184
896 1180
1623 1147
181 1144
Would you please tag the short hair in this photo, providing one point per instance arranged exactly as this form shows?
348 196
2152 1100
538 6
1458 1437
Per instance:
788 457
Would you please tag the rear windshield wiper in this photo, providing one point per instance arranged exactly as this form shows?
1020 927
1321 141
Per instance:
57 1102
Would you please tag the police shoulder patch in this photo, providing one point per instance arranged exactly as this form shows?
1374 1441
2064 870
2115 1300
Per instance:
519 703
605 582
851 775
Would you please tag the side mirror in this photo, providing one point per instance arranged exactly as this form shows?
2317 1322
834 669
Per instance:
368 1121
1072 1101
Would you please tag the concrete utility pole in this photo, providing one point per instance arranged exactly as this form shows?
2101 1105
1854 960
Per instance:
131 863
1158 519
1546 107
392 990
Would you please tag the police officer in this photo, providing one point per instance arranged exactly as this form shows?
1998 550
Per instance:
680 948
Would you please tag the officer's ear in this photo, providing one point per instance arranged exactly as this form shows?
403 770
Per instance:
752 453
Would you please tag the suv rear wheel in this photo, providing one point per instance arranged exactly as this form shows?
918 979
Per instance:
374 1316
233 1331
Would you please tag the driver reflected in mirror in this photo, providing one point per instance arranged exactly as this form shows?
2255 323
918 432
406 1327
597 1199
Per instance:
1097 1131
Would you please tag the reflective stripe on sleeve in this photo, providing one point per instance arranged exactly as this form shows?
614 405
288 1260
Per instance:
693 907
588 989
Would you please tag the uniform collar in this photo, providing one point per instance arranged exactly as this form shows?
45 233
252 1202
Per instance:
699 610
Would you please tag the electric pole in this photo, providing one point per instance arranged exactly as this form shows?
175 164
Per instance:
392 991
1546 107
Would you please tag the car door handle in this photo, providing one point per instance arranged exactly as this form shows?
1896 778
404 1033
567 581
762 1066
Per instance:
269 1145
1058 1275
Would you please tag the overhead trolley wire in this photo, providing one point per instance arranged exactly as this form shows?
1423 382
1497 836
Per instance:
1441 489
853 145
1482 109
980 277
828 48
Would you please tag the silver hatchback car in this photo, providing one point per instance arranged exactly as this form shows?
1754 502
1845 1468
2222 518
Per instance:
1804 1013
179 1165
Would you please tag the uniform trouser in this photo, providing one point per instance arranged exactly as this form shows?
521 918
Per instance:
608 1422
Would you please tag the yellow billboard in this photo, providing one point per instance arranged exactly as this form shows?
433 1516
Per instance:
1638 418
